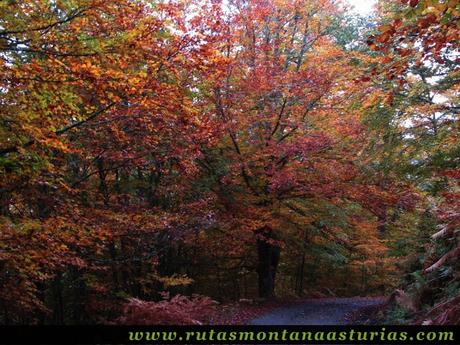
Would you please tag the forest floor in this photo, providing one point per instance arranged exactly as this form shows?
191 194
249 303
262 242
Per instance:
324 311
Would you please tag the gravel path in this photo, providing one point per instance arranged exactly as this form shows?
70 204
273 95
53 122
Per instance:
326 311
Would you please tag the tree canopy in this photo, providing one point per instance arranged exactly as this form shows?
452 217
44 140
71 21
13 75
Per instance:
153 150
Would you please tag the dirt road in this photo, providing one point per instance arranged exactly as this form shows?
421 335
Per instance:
326 311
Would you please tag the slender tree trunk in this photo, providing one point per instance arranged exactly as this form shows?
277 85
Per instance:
113 258
4 203
58 317
302 265
382 223
102 181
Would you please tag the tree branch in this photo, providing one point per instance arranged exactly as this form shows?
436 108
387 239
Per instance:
12 149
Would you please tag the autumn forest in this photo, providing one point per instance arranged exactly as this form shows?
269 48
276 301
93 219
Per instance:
161 160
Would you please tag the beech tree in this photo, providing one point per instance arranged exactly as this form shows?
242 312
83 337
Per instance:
155 149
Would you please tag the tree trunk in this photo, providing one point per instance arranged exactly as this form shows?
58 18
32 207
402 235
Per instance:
299 286
382 223
268 255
